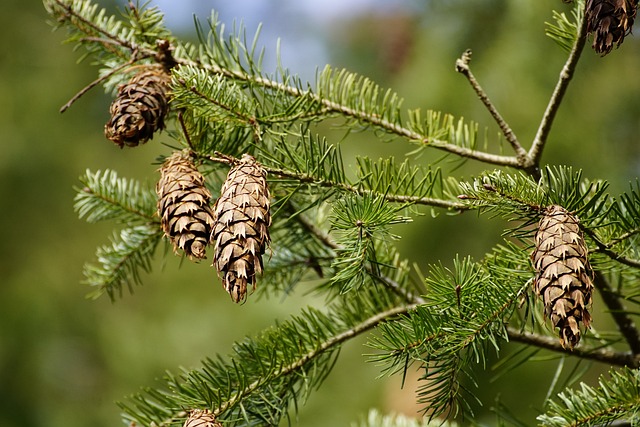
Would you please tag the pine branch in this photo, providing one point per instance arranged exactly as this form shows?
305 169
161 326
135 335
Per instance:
279 367
327 172
462 315
338 92
605 248
626 326
550 343
535 152
332 342
106 196
119 264
616 398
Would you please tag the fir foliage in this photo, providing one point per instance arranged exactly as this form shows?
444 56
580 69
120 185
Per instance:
336 222
565 30
616 398
106 196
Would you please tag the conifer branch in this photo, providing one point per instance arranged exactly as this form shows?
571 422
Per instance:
70 13
107 196
394 198
614 402
462 66
551 343
627 235
626 326
605 248
535 152
332 342
330 243
326 105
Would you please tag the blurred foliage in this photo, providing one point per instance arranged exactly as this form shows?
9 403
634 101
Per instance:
65 359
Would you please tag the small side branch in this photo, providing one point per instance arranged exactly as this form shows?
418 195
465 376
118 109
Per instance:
612 301
605 248
330 343
96 82
535 153
599 355
462 66
394 198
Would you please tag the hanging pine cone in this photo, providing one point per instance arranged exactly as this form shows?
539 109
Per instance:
609 21
201 418
241 230
139 109
183 205
563 273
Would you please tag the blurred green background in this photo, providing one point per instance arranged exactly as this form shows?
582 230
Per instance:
65 359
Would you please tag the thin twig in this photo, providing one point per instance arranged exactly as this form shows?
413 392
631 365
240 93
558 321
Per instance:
96 82
462 66
320 234
625 324
535 153
549 343
606 249
395 198
329 106
623 237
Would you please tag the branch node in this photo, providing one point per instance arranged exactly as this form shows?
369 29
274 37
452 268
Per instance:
462 63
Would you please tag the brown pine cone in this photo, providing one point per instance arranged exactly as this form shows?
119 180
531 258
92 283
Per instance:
241 230
563 273
183 205
139 109
201 418
609 21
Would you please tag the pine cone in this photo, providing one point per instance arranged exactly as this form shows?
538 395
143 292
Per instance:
139 109
201 418
563 273
609 21
241 229
183 205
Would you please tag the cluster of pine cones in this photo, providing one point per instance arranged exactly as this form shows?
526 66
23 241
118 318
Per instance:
238 223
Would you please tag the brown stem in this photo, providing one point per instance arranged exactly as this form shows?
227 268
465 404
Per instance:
535 153
625 325
601 355
462 66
